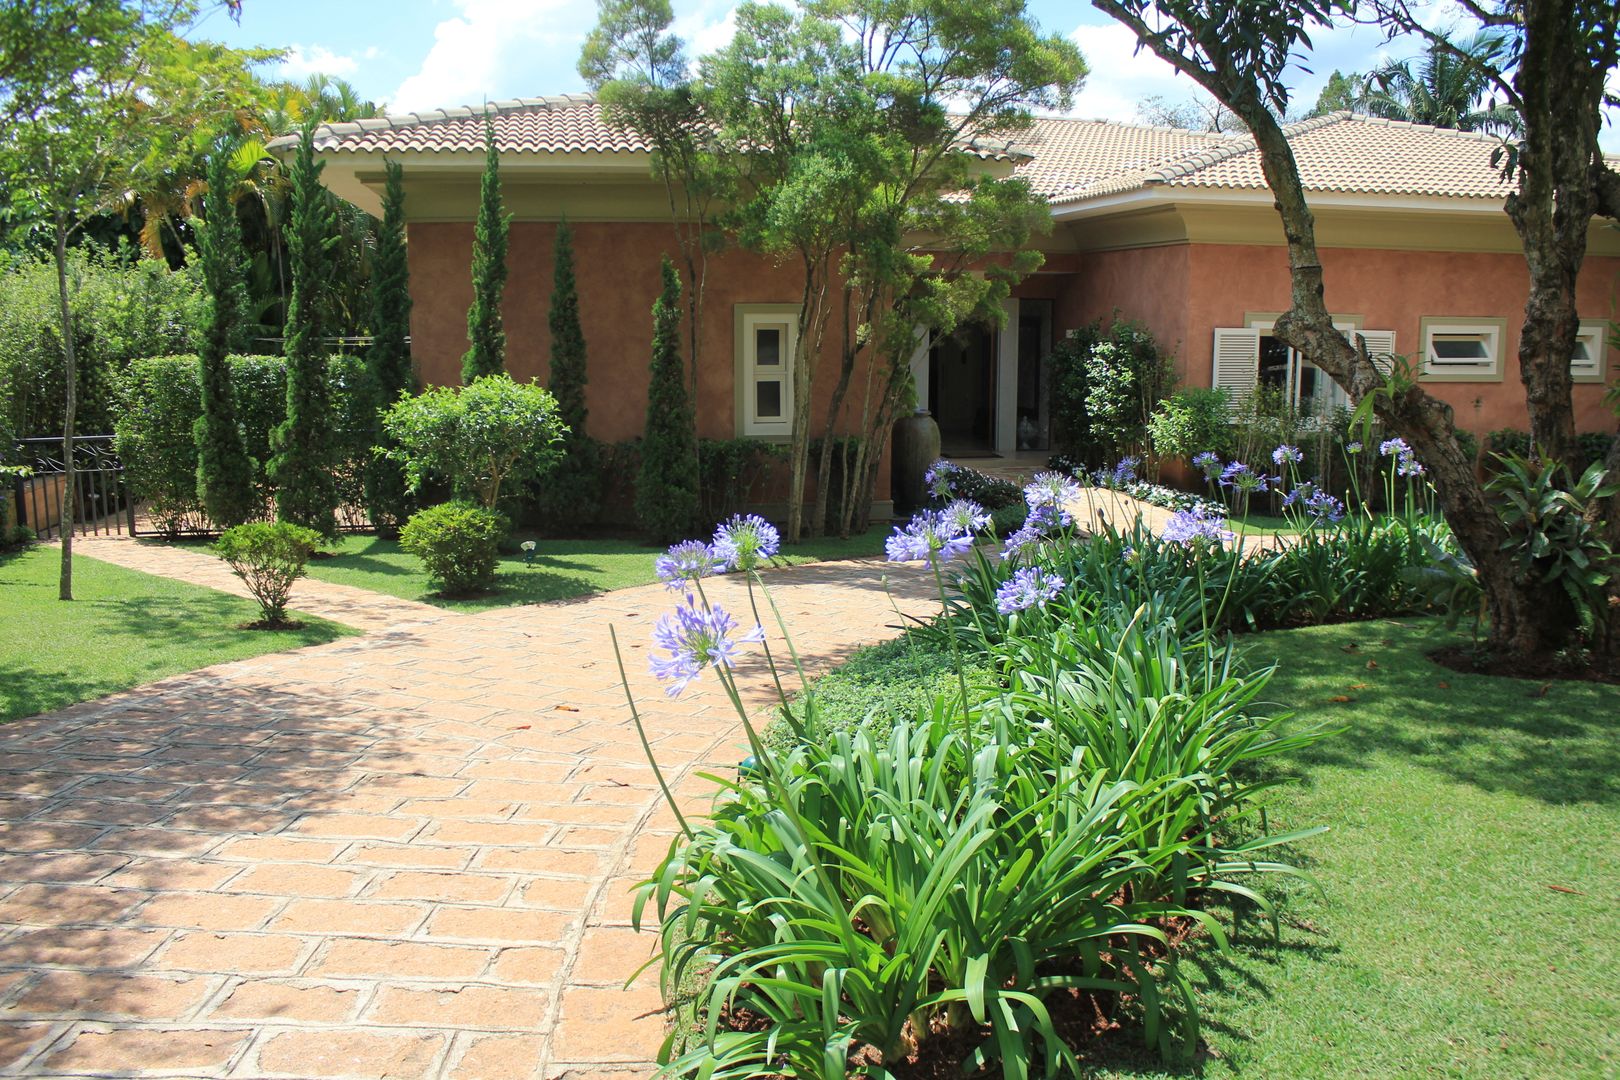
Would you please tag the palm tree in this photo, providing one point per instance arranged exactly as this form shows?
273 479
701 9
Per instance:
1445 87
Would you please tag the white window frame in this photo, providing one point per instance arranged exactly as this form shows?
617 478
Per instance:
1348 325
1594 335
749 318
1493 333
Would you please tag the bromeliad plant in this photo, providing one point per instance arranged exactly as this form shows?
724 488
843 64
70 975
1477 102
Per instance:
854 901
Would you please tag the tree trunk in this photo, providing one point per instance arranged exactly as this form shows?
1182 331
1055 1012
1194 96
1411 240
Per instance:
1551 211
1521 622
70 413
846 369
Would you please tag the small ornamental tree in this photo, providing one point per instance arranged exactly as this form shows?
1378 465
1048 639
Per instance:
481 437
225 472
389 375
306 488
571 491
485 333
269 557
667 487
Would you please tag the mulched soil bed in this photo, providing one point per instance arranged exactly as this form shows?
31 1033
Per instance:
1462 659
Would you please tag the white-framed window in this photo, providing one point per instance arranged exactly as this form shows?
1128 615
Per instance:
1463 350
766 339
1591 342
1248 357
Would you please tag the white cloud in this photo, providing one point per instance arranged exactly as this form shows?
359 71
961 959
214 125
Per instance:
1120 76
303 61
707 29
493 49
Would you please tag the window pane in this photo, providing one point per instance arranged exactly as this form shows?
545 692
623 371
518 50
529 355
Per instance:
1459 347
1583 355
768 400
768 346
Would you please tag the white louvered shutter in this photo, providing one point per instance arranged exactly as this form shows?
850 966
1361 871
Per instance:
1237 362
1381 348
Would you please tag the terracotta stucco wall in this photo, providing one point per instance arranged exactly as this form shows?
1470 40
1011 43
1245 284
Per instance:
618 279
1394 290
1147 285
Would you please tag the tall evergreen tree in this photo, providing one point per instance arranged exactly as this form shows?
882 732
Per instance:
388 365
667 487
569 494
224 469
306 487
485 333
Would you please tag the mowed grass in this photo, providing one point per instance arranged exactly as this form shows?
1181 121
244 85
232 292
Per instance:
1471 875
561 569
124 628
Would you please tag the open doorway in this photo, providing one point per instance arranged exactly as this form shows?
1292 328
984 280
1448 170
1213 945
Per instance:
962 391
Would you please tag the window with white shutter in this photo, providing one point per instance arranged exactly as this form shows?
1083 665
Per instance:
1236 361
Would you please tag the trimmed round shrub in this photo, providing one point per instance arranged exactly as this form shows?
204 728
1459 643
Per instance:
269 557
458 542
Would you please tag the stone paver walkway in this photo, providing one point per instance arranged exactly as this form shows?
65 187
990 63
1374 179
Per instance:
406 854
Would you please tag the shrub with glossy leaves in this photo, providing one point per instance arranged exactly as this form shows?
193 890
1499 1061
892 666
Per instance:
481 437
458 542
269 557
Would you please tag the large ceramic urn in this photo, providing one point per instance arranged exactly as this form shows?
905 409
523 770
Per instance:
916 447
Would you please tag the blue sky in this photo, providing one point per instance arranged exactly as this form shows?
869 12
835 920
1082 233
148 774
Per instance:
421 54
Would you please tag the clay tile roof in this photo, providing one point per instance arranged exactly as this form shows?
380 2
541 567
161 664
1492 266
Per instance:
1065 160
1070 157
561 124
1339 152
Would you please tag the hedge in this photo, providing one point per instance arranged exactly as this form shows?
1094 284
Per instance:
159 400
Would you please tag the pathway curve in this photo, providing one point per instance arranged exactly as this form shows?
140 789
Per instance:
406 854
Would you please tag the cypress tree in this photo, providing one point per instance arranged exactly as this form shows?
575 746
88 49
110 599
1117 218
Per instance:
303 467
388 365
667 487
224 469
485 333
569 494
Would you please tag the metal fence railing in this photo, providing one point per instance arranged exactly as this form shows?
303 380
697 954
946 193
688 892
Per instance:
101 504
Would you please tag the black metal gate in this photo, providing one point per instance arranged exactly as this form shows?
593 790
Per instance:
101 502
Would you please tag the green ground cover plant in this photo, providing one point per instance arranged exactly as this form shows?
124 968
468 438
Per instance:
124 628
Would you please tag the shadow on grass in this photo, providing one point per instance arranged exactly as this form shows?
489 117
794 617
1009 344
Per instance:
1553 742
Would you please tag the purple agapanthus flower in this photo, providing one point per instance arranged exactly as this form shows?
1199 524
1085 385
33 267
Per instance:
1393 447
1353 446
939 479
1323 506
687 562
1408 465
930 536
1050 489
1185 526
1286 453
1029 587
1041 522
1208 463
1240 476
964 516
1125 470
695 638
746 542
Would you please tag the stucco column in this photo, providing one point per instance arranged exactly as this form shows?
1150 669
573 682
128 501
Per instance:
919 365
1006 440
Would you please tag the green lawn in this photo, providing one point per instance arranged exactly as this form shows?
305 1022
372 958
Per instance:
123 629
561 569
1461 810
